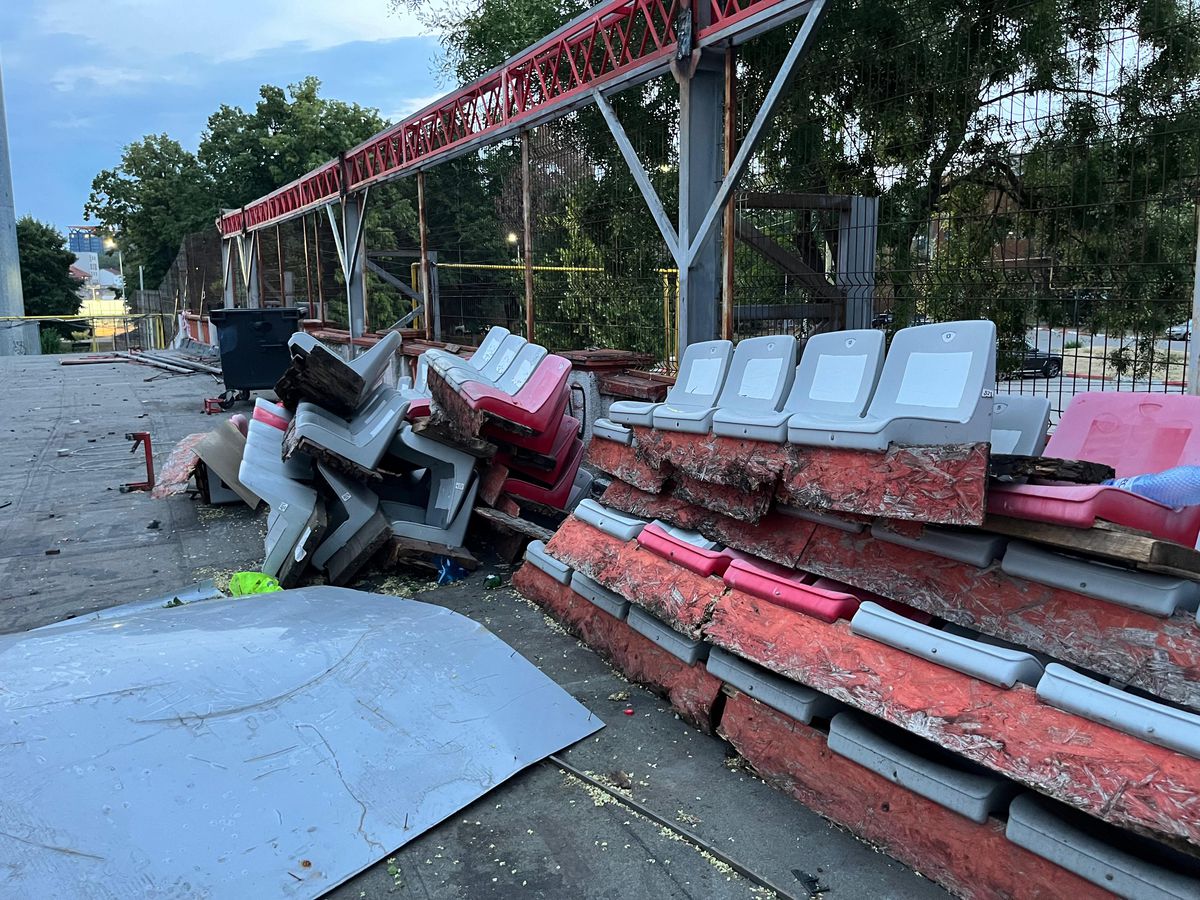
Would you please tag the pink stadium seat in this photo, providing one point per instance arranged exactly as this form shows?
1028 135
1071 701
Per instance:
696 559
561 452
791 592
534 404
1135 433
555 496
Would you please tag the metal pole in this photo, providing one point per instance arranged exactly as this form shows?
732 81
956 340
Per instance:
1193 378
15 339
279 255
527 217
728 236
424 229
353 267
320 268
307 267
228 292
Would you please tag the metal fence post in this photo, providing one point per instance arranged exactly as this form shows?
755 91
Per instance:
423 226
527 221
1193 379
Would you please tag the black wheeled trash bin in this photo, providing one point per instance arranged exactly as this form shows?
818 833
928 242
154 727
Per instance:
254 348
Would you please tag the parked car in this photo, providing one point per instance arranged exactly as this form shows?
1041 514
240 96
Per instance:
1180 332
1037 362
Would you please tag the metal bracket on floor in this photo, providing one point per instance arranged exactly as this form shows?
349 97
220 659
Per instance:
141 438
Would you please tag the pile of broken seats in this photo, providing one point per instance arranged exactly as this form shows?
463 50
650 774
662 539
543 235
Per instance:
344 473
511 395
804 552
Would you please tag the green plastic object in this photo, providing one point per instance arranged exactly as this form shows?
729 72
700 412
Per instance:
244 584
492 582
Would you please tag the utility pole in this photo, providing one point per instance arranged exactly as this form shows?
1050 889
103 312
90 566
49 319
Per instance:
16 339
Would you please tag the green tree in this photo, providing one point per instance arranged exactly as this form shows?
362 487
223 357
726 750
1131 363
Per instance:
156 196
46 281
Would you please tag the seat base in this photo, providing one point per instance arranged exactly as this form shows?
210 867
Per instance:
771 427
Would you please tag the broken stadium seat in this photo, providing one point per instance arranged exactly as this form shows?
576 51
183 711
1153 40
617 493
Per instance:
356 445
343 387
598 595
837 374
995 665
536 555
616 524
978 549
792 699
540 442
581 489
300 466
920 766
483 354
760 377
296 522
608 430
356 527
704 561
417 388
513 377
543 467
684 648
554 496
1135 434
1020 424
506 351
1158 723
702 372
448 472
936 387
1158 595
535 407
795 591
403 503
1118 861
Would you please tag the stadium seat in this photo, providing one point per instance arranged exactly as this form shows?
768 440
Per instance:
356 527
1020 424
760 377
360 443
355 381
936 387
702 372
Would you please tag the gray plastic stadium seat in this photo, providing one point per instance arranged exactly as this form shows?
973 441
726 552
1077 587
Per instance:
448 470
608 430
499 362
598 595
760 378
836 376
360 442
1115 859
695 538
973 549
989 663
408 520
481 357
296 521
794 700
356 527
683 648
536 555
610 521
581 489
936 388
1020 424
417 388
821 518
920 766
1154 722
702 372
369 367
1159 595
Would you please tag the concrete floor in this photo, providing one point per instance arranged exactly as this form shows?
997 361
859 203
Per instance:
541 835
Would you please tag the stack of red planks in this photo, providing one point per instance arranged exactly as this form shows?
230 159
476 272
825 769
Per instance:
745 495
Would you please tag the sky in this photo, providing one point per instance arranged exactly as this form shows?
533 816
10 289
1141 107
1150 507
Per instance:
83 79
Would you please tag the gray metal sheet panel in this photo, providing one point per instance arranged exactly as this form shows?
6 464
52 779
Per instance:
208 750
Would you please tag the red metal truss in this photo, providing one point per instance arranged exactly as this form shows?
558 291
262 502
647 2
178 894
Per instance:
613 44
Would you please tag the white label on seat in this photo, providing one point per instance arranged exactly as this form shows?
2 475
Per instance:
935 380
1004 440
760 379
837 378
703 377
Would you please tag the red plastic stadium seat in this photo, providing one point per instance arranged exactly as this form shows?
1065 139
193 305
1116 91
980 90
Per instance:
696 559
555 496
790 592
542 442
533 406
561 453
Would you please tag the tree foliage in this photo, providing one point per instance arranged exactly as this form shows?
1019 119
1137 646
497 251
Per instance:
48 287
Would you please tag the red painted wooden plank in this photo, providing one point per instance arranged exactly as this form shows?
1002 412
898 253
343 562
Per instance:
1107 773
968 859
621 463
666 590
1159 655
776 537
692 691
747 506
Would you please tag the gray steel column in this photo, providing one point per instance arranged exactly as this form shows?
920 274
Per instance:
228 294
355 267
700 127
15 339
857 234
247 248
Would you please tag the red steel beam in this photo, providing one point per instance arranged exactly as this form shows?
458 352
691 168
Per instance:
613 45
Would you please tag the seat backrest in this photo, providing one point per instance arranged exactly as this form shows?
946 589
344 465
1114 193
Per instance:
482 356
702 372
421 382
838 372
1019 424
760 374
372 364
1135 433
301 343
522 368
503 357
938 371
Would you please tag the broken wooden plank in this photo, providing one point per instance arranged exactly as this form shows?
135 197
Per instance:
1107 773
971 860
397 551
669 592
690 689
439 427
1075 471
521 526
1105 540
622 463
